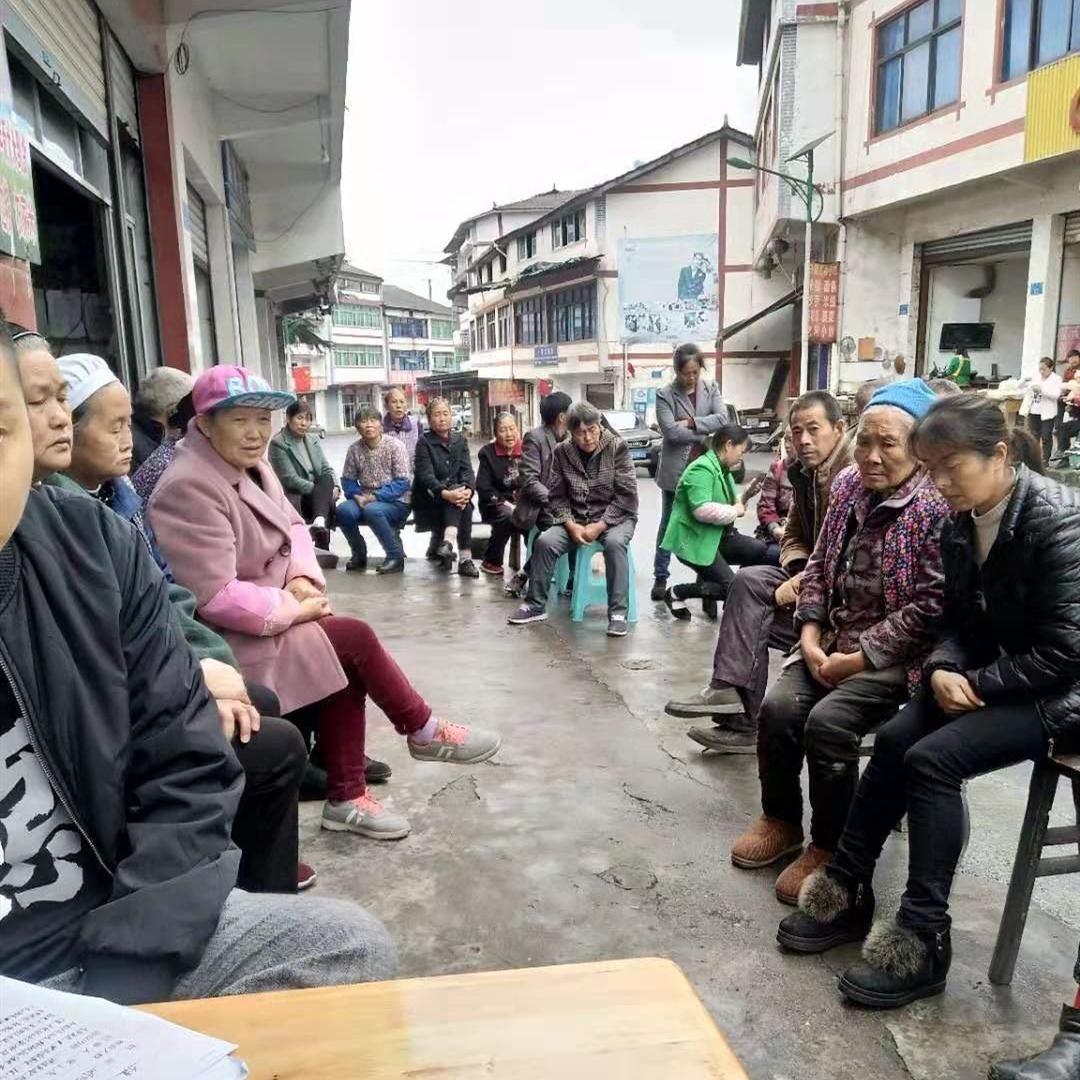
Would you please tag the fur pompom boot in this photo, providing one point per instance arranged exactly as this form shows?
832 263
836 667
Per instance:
833 910
899 966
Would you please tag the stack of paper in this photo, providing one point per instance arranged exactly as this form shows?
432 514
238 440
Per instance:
49 1035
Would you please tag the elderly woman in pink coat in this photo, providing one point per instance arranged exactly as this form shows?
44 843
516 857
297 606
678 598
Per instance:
232 538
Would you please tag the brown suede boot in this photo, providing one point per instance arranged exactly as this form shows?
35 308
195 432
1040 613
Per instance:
791 880
767 840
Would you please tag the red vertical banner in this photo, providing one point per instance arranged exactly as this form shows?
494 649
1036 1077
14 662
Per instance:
824 302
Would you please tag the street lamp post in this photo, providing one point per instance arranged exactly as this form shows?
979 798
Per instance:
806 190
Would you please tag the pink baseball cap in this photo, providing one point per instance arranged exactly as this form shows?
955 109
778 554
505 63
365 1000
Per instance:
226 387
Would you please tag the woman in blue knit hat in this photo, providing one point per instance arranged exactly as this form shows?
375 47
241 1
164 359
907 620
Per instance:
867 615
1000 686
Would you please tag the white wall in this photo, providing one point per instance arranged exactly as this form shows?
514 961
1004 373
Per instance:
1069 312
1004 307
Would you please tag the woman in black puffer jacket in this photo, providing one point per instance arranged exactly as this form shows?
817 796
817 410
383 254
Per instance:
1003 687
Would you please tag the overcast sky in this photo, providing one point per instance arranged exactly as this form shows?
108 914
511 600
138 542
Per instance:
453 106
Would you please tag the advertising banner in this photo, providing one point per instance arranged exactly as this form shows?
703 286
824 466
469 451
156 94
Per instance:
18 213
668 289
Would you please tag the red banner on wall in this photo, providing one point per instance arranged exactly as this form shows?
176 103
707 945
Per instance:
505 392
824 302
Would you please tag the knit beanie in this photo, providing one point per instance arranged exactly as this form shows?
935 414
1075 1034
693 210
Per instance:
912 396
85 375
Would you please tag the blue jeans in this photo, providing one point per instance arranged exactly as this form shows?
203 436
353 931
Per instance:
383 519
662 560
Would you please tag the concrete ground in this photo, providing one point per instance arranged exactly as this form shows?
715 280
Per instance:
600 831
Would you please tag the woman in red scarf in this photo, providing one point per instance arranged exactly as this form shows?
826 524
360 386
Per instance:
497 483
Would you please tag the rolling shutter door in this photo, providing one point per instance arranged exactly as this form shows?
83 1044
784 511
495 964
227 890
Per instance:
1072 228
125 103
69 32
1005 238
200 244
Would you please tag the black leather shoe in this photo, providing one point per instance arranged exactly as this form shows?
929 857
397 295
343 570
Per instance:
446 555
899 966
313 783
671 599
1060 1062
376 772
659 588
356 564
392 566
467 568
832 912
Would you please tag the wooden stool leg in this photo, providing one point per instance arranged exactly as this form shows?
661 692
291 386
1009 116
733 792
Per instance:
1044 779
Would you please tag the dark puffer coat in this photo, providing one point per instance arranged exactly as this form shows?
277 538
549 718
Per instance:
1026 643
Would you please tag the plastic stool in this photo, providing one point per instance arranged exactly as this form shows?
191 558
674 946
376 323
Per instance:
590 588
560 578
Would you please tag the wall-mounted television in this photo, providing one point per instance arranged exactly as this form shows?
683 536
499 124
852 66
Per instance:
966 335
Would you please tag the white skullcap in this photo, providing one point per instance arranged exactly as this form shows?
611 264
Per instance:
85 375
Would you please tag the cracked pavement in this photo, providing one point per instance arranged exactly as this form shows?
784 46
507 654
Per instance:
600 831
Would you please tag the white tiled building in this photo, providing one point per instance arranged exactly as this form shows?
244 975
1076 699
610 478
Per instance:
952 198
565 300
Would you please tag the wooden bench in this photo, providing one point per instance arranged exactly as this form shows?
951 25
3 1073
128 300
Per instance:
1036 834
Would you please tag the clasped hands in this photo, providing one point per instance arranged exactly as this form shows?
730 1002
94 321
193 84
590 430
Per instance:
829 670
458 497
585 534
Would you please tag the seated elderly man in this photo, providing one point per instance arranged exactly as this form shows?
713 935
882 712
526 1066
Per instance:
377 481
868 609
592 497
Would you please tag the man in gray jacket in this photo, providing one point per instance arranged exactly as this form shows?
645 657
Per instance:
688 410
592 499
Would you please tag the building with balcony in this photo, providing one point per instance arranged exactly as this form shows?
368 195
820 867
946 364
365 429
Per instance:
420 339
592 295
952 207
178 167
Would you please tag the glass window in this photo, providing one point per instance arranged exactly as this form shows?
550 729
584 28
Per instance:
526 246
367 356
442 329
529 321
947 75
918 62
408 360
400 326
357 315
1053 30
1038 32
504 326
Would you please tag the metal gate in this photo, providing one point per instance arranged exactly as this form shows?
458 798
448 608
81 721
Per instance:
999 241
1072 228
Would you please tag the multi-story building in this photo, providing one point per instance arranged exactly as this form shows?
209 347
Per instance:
591 295
158 160
378 336
952 203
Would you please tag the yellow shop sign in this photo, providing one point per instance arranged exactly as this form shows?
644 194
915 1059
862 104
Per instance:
1053 110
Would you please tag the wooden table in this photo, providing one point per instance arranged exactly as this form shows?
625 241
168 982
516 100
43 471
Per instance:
618 1020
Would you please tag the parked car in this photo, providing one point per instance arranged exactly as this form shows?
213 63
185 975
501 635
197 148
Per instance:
643 441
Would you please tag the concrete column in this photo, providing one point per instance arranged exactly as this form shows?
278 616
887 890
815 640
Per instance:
1044 291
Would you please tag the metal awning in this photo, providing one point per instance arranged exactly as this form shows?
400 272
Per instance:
777 305
450 380
553 273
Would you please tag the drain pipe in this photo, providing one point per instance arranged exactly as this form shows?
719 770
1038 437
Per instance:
838 185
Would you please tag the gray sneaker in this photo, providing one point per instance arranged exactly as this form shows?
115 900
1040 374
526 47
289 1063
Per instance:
528 613
616 626
705 703
365 816
457 744
726 740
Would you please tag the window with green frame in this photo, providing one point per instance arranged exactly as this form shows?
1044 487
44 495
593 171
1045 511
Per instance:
366 316
364 356
442 328
443 361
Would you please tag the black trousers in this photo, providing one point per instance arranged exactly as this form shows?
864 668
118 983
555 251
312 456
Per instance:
801 718
266 822
319 502
501 532
451 516
921 758
1043 430
1067 431
735 549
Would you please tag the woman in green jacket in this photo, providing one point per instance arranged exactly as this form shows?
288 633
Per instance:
309 482
701 533
959 369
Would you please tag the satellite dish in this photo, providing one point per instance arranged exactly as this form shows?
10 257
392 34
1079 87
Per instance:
847 347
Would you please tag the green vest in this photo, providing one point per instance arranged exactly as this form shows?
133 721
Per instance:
705 480
959 370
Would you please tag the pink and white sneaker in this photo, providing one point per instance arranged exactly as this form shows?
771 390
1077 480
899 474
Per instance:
457 744
365 816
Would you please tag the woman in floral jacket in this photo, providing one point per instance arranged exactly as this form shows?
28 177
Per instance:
869 607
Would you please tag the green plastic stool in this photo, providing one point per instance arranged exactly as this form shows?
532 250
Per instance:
561 576
590 588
